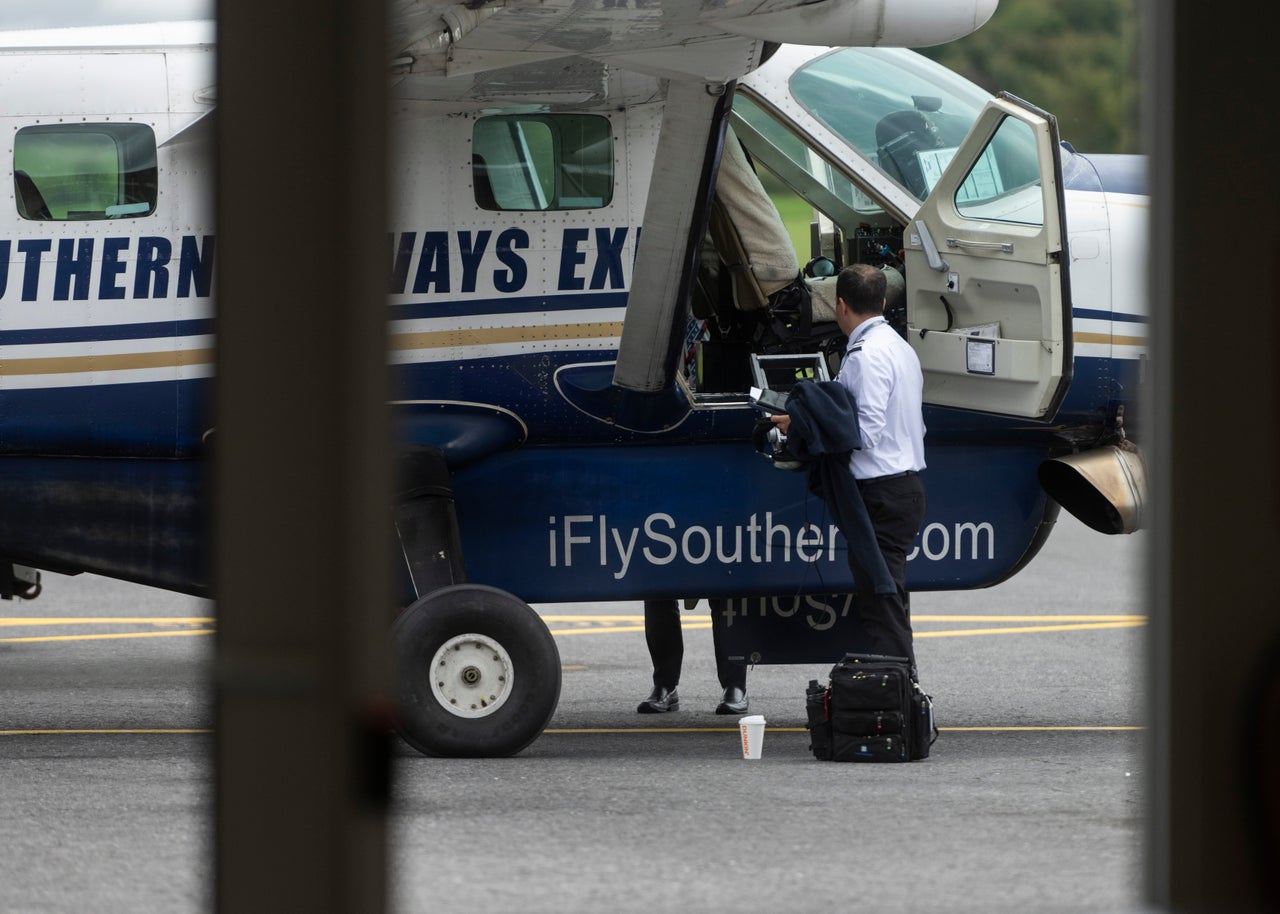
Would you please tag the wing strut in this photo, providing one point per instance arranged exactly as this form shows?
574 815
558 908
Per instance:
675 219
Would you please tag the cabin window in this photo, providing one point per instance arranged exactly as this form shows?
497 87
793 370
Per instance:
69 172
542 162
1004 184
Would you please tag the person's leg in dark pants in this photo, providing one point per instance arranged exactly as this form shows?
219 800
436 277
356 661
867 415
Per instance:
732 676
897 508
883 619
665 640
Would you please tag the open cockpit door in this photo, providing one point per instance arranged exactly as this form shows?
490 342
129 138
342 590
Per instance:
988 303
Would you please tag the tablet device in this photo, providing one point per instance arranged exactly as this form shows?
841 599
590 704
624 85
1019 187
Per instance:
769 400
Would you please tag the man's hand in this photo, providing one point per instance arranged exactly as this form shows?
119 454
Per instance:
782 421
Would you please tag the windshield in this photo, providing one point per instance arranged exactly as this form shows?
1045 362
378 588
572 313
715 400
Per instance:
893 106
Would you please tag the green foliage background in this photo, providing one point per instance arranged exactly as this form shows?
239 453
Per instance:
1077 59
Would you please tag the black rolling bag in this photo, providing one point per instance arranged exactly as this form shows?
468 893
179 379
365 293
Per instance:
871 710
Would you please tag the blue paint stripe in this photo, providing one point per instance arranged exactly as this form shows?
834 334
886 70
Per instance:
151 331
1120 316
560 302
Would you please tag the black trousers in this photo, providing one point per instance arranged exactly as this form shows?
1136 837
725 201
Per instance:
666 644
897 508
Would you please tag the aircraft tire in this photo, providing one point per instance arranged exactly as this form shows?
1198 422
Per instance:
476 673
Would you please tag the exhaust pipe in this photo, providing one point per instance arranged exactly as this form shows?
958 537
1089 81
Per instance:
1105 488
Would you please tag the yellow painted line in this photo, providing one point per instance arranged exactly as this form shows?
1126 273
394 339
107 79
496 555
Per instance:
1073 618
125 361
563 732
1099 729
14 621
107 637
614 629
1045 729
1069 623
612 622
1096 622
597 631
1027 629
922 617
94 732
490 336
588 730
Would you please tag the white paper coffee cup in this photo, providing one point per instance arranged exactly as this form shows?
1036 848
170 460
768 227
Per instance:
752 735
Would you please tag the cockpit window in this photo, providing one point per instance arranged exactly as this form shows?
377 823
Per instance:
897 109
69 172
542 162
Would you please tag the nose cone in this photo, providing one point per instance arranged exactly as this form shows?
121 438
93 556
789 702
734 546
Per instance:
921 23
982 11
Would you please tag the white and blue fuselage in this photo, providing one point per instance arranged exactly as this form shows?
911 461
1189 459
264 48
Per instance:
496 310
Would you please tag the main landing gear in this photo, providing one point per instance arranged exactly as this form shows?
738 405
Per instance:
476 674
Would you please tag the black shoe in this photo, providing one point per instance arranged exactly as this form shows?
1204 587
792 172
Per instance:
735 701
660 701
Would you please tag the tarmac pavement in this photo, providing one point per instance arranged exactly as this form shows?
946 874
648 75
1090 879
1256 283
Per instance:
1031 801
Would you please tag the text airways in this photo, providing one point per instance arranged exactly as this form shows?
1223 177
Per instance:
588 258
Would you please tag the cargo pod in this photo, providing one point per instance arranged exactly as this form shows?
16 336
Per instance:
988 302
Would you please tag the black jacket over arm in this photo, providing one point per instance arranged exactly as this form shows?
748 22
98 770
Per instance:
824 429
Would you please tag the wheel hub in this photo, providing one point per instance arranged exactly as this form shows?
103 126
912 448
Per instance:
471 675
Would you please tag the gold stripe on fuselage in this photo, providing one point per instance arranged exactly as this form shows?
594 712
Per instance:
494 336
398 342
123 361
1109 339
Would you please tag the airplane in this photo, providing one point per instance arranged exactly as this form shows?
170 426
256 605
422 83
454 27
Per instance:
589 269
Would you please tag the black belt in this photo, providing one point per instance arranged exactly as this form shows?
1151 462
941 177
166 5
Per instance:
863 482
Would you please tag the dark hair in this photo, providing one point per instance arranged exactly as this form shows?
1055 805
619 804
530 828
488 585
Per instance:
862 287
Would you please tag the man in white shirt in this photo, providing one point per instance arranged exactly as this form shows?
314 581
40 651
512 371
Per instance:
883 374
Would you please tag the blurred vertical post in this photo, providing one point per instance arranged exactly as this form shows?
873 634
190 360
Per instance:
302 457
1213 822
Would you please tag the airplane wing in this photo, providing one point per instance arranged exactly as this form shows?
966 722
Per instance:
709 40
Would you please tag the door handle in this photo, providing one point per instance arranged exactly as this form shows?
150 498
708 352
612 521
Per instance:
1003 246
